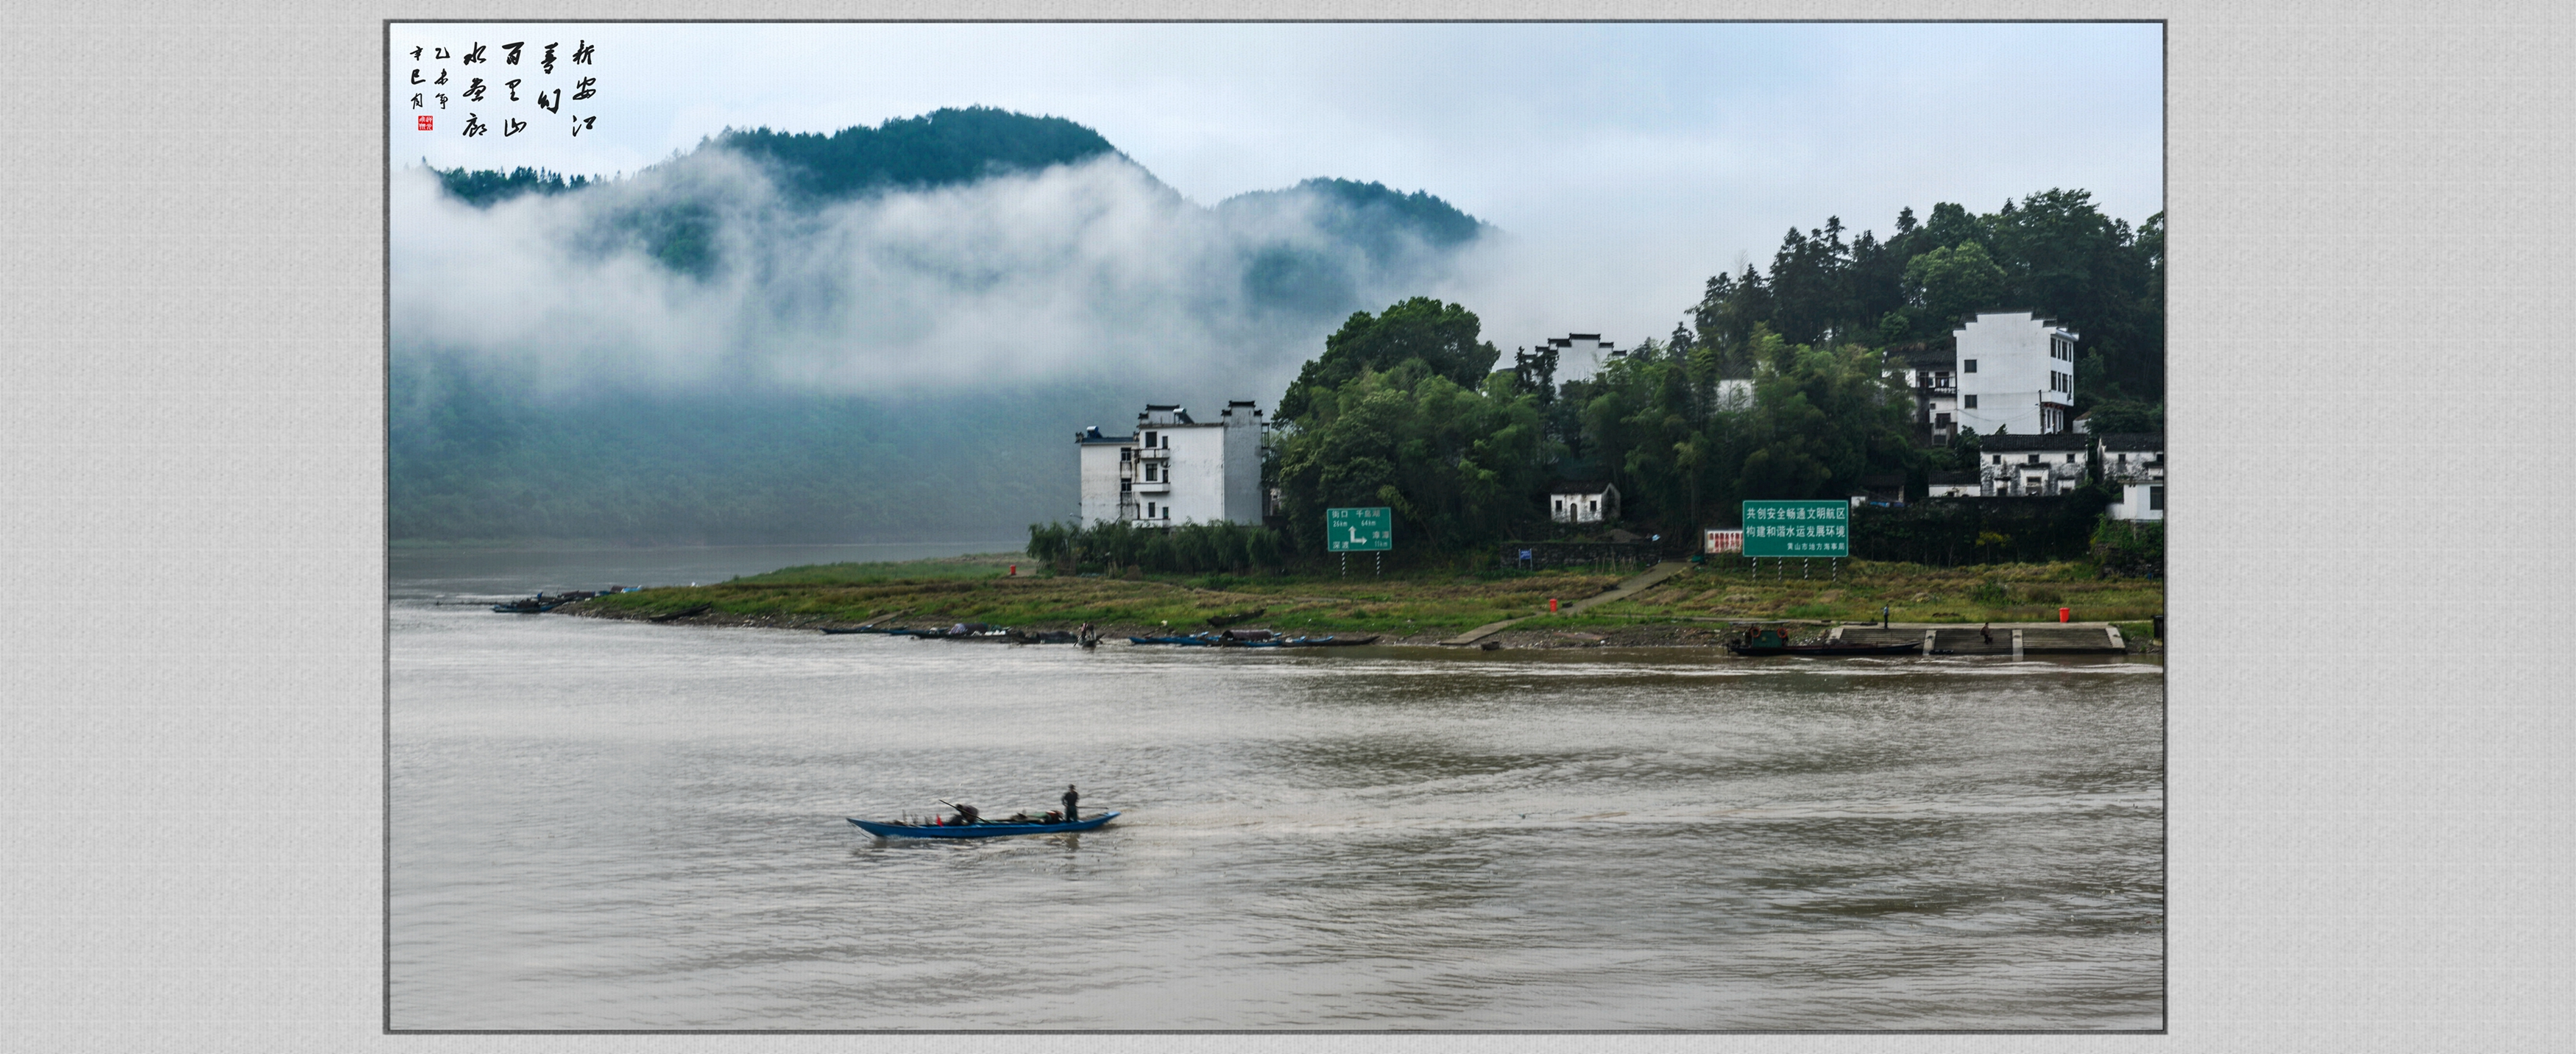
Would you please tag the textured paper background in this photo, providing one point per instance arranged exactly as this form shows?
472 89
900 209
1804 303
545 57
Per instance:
2370 265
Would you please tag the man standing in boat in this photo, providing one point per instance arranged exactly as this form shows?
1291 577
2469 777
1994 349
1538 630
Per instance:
1070 797
968 814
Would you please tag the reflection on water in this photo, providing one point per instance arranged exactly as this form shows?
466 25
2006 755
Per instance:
618 825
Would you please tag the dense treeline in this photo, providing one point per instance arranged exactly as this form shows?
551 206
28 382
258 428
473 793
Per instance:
941 148
481 187
2052 252
1191 548
1778 387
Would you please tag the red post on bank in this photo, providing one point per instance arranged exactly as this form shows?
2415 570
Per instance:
2061 615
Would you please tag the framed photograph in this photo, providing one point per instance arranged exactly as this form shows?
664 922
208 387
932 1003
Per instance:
1531 593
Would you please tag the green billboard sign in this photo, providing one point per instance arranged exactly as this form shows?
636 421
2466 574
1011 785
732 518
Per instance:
1797 528
1359 530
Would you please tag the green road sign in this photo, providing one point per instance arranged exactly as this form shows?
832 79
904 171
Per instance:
1797 528
1359 530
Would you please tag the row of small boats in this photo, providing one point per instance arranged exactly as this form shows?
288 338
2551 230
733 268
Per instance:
982 632
1253 638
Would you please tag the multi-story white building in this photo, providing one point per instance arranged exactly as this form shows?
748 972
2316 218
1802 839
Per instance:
1175 469
2016 373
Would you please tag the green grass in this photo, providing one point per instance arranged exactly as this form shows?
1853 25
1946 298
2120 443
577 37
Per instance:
976 565
1445 600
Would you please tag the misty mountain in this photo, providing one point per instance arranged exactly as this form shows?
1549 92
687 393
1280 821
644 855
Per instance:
877 334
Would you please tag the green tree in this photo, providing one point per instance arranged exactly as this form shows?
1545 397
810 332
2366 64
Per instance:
1456 464
1944 285
1444 337
1823 419
2121 415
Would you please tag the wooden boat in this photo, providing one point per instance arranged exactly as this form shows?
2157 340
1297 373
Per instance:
837 630
528 607
1194 639
986 829
1330 642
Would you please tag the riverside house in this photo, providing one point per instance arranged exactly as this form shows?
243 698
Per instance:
1572 502
1174 468
2135 462
2030 466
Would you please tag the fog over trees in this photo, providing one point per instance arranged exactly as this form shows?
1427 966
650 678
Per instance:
890 333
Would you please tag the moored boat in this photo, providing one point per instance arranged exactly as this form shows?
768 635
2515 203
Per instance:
1768 640
1829 650
982 829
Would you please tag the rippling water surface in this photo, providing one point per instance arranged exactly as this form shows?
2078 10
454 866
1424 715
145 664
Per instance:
621 825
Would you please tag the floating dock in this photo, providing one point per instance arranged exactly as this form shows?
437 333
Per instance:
2014 638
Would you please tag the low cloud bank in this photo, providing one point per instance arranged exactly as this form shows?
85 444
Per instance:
702 275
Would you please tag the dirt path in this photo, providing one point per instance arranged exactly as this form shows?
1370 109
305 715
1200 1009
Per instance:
1622 591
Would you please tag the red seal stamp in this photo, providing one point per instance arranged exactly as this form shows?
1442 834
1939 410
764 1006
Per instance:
424 122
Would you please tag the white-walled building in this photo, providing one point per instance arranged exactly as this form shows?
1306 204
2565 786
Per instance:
1957 485
1175 469
1571 502
1579 354
2016 373
2022 466
2135 462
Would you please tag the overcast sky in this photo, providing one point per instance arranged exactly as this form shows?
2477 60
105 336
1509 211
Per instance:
1640 158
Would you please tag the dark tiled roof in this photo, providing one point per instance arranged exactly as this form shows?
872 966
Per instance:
1940 354
2008 442
2134 441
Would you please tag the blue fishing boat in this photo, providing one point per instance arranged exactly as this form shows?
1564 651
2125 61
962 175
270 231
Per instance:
889 829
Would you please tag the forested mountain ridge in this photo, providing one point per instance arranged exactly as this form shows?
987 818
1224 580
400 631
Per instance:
940 148
1077 284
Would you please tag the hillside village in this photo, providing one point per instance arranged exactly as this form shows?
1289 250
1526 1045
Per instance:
2000 389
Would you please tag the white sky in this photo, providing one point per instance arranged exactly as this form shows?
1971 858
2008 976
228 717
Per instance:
1643 157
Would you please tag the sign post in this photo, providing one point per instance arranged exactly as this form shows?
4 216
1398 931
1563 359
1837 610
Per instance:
1802 529
1348 531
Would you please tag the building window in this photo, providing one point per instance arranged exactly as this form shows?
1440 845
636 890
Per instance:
1999 459
1941 419
1968 366
1967 402
2156 498
1149 510
1149 440
2034 459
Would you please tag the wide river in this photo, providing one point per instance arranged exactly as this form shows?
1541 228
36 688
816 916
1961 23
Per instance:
612 825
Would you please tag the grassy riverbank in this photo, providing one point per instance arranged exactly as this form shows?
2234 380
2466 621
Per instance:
1414 604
